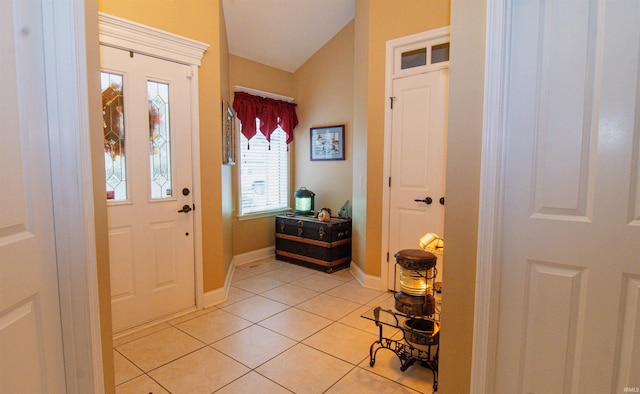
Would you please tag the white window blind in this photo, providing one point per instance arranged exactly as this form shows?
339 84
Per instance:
264 173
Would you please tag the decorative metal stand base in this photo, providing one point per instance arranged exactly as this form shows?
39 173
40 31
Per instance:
407 354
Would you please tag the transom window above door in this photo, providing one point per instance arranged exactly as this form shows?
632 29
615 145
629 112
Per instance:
422 54
419 57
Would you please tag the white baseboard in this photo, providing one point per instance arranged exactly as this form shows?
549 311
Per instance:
218 296
368 281
215 297
144 326
254 255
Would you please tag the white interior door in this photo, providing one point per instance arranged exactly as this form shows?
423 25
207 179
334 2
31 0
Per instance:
569 311
146 102
31 355
418 151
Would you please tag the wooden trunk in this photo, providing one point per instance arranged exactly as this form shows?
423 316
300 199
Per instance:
307 241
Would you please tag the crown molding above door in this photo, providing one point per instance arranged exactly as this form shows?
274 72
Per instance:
131 36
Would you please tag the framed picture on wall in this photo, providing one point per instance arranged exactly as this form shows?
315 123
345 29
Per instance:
228 134
327 143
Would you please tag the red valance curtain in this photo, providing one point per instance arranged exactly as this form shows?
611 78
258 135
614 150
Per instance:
272 113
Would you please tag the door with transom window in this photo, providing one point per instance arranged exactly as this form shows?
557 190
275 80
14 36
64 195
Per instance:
147 154
415 146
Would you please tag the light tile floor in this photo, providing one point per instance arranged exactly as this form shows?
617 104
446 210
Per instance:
283 329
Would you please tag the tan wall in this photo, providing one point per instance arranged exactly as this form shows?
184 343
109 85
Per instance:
466 92
324 93
386 21
203 25
258 76
258 233
227 171
360 129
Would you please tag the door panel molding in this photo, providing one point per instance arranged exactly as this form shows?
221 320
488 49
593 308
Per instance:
565 114
634 201
552 344
629 346
122 261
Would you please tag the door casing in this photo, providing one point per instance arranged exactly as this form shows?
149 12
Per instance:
68 29
485 309
130 36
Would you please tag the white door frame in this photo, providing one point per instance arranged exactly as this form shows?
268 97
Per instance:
130 36
66 25
392 72
492 175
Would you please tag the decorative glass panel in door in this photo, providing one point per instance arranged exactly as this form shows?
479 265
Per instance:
114 136
159 140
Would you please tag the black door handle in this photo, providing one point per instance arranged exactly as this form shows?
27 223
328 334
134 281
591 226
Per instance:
427 200
186 208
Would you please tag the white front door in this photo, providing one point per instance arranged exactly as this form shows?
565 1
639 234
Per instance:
147 113
31 353
569 310
418 151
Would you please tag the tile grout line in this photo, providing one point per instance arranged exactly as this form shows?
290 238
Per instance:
257 323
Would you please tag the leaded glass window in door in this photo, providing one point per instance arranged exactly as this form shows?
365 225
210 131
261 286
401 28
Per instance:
159 140
114 136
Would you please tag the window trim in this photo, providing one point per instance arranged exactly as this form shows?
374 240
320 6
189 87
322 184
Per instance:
267 212
263 214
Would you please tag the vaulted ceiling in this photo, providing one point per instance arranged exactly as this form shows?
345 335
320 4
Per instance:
283 33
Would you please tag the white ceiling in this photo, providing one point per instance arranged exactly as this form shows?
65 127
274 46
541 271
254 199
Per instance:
283 33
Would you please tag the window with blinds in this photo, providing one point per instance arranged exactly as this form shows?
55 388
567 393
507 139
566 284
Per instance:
264 173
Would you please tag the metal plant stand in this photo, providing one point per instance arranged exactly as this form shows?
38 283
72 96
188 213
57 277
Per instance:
417 316
415 345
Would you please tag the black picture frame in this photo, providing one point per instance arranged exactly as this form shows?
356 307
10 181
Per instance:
327 143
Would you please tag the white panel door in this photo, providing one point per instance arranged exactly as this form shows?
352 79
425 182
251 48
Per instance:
146 102
418 151
31 355
569 312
